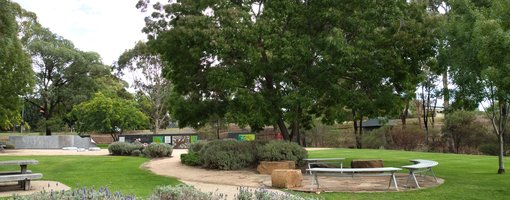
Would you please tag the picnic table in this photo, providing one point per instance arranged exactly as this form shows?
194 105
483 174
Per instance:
318 161
23 176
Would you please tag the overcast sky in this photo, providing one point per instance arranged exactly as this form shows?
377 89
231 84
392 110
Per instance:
107 27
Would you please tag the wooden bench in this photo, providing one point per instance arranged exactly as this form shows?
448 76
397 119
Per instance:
382 171
24 179
421 166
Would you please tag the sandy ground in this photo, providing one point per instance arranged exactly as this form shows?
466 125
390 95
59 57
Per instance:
8 189
226 182
51 152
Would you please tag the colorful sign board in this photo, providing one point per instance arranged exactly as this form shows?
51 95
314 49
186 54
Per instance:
246 137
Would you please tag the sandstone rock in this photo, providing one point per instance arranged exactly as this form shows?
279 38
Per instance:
267 167
286 178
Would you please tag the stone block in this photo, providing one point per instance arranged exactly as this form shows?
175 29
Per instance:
267 167
286 178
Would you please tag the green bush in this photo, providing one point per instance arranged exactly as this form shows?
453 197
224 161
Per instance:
156 150
489 149
136 152
197 146
191 159
282 150
124 148
228 155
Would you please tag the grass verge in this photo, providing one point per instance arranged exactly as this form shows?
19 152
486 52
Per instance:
119 173
466 176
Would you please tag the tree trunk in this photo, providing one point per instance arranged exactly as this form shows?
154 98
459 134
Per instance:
358 130
283 129
403 116
446 92
218 128
418 112
360 141
501 164
156 125
502 129
425 106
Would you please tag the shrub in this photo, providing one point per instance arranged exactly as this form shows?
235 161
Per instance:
124 148
181 192
262 194
375 139
191 159
197 146
489 149
156 150
136 152
407 139
463 129
79 193
228 154
282 150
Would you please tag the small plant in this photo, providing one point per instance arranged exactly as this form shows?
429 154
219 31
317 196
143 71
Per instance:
182 192
77 194
191 159
156 150
124 148
136 152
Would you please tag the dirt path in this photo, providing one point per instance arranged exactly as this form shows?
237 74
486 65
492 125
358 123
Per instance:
226 182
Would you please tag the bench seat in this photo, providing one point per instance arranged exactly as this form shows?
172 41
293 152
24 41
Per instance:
23 178
420 166
14 172
383 171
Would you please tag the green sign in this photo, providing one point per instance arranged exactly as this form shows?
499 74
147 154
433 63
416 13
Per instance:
246 137
158 139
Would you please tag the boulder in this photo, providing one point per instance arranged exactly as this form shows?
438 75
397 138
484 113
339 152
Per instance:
367 164
286 178
267 167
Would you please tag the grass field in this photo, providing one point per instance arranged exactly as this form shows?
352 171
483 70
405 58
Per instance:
119 173
466 176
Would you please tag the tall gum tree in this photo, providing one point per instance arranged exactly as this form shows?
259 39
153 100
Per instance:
479 46
152 85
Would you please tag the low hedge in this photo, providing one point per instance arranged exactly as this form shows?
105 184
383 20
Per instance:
156 150
153 150
232 154
228 155
191 159
282 150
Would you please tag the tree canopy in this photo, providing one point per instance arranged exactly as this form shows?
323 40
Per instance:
283 63
16 73
108 115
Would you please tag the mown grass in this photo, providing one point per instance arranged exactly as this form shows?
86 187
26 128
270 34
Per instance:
119 173
466 176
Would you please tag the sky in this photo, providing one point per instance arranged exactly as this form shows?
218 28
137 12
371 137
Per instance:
107 27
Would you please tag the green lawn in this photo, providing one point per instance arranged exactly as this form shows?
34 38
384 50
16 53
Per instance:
119 173
466 176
